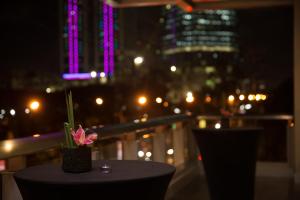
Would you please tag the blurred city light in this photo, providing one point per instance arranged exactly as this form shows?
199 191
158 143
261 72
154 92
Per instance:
165 104
77 76
170 161
217 125
173 68
248 106
242 97
242 107
146 136
257 97
170 151
202 123
148 154
2 165
251 97
12 112
36 135
177 111
8 146
103 80
3 111
189 94
136 121
93 74
138 60
208 99
263 97
158 100
231 99
48 90
141 154
142 100
189 99
99 101
102 74
27 110
34 105
144 119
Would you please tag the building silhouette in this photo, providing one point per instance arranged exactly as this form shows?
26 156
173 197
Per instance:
89 38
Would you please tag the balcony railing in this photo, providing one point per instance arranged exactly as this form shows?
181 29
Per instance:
166 139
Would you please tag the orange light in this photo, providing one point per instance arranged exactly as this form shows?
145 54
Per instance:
189 8
36 135
142 100
34 105
208 99
263 97
189 99
146 136
165 104
231 99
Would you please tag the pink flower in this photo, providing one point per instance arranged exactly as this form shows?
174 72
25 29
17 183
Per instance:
80 138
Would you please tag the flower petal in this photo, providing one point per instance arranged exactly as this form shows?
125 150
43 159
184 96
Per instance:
75 137
79 136
91 138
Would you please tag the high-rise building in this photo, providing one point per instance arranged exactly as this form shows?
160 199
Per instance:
89 39
207 31
202 45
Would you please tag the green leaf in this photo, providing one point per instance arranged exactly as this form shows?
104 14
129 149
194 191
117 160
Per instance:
67 133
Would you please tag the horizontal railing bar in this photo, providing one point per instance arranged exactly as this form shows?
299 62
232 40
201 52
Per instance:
248 117
28 145
119 129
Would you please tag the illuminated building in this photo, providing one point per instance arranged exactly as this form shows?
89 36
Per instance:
208 31
89 39
202 45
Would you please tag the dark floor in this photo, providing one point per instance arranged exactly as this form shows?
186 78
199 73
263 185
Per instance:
266 188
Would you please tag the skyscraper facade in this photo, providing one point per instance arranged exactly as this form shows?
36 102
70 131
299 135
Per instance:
89 38
202 45
208 31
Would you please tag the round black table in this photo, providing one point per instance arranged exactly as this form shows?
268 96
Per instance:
127 180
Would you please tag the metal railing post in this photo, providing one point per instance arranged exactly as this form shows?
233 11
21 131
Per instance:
130 147
290 144
159 145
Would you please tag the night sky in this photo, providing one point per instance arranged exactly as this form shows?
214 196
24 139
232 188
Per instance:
30 31
29 35
266 43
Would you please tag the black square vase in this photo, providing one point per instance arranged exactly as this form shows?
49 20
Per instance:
77 160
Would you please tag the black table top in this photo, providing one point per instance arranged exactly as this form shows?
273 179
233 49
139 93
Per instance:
122 170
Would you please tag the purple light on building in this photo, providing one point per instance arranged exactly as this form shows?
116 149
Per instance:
78 76
76 57
111 41
70 35
73 36
105 39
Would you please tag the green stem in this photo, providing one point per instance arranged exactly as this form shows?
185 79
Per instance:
67 133
70 124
